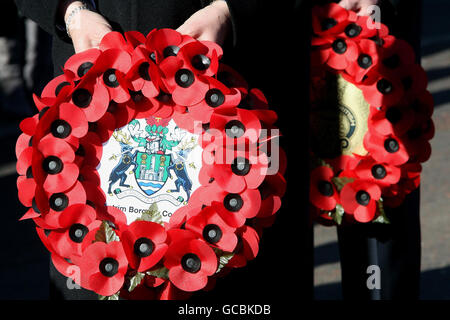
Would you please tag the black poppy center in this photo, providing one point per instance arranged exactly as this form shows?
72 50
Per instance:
339 46
378 171
143 247
109 267
328 23
214 98
60 129
143 71
393 115
82 98
200 62
212 233
325 188
136 96
365 61
110 78
233 202
363 198
60 86
384 86
184 78
152 56
391 145
58 201
164 97
77 232
84 68
170 51
42 112
52 165
34 206
353 30
241 166
234 129
191 263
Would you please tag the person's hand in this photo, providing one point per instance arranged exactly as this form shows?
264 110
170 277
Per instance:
211 23
361 7
86 28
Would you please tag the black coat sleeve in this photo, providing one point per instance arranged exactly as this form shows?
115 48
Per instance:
43 12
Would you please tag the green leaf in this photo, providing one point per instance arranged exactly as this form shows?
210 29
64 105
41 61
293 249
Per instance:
113 297
152 215
382 218
338 214
162 273
106 233
224 258
136 280
340 182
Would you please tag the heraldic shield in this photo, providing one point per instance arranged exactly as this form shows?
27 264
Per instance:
151 171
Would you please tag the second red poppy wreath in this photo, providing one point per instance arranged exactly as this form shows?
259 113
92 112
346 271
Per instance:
147 168
371 118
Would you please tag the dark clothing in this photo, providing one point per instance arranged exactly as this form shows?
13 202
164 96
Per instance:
269 46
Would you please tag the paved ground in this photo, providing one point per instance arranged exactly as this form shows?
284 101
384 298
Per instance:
435 192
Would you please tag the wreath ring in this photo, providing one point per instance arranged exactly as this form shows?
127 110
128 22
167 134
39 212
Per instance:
367 64
158 78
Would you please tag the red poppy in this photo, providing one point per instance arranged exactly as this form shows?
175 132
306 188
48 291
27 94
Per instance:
233 208
90 150
272 189
92 98
217 97
56 164
141 105
168 291
377 172
122 113
110 70
234 170
382 89
144 244
115 40
338 53
202 57
143 74
209 226
343 162
24 161
190 261
26 187
323 193
180 216
423 104
135 38
416 139
80 63
95 196
359 27
247 247
104 127
59 86
50 206
233 127
329 19
367 60
359 198
186 88
77 220
414 80
165 43
397 55
388 149
103 267
395 120
23 141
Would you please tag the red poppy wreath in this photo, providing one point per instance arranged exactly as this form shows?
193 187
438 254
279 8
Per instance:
147 169
368 91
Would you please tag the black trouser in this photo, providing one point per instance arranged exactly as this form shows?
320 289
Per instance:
395 248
